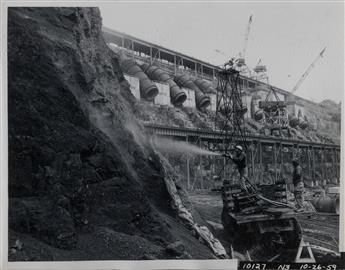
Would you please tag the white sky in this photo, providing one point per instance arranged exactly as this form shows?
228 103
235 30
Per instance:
286 36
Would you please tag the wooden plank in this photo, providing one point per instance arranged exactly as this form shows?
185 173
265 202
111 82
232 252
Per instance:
246 196
241 218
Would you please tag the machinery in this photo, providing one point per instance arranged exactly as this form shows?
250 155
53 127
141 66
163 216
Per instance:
240 63
307 72
254 217
294 120
241 60
275 115
260 72
251 219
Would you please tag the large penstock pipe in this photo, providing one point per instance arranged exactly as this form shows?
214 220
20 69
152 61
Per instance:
304 124
293 120
257 113
201 100
204 86
148 89
177 95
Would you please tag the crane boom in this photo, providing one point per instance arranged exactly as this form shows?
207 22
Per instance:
306 73
246 37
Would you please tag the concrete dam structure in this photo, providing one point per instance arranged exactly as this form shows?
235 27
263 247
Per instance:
174 73
185 82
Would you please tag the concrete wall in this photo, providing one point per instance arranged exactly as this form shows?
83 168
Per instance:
213 105
133 85
299 111
247 101
296 109
190 101
163 97
271 97
254 106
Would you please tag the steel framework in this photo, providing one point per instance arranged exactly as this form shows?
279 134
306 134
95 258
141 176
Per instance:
275 116
230 109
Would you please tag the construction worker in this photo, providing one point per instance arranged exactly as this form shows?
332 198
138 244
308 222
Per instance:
239 158
298 184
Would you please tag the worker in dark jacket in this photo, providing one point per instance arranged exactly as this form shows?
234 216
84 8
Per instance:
240 159
298 184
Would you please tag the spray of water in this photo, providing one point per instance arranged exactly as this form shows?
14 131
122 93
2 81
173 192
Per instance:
180 147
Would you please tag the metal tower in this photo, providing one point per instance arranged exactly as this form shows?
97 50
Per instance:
230 109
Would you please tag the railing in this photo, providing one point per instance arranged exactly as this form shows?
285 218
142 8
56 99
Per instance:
171 68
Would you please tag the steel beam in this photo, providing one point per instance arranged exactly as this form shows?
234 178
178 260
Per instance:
322 162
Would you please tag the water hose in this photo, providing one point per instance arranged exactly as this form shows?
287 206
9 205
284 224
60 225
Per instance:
276 203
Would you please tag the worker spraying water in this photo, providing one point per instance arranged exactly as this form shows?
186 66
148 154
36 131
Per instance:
240 159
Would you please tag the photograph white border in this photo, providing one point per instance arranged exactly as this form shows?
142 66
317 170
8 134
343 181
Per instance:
112 264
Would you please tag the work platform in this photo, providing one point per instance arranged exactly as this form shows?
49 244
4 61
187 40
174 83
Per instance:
205 134
322 160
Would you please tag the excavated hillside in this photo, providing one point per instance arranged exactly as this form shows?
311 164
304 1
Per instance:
84 181
150 113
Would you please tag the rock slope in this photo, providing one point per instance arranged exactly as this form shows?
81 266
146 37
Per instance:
84 181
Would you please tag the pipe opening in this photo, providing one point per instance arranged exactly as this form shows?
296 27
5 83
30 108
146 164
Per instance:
294 121
180 98
242 111
205 102
151 93
258 115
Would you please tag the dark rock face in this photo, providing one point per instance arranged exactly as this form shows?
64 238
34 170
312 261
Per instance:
176 248
79 164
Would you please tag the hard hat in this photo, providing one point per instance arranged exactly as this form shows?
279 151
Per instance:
239 147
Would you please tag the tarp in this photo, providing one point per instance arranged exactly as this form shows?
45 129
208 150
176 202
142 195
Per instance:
202 231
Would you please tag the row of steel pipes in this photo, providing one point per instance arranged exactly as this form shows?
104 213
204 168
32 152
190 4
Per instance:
147 73
258 114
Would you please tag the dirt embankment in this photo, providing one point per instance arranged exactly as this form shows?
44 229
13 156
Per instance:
83 183
185 117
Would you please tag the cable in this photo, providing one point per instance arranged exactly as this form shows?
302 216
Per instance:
269 200
275 202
